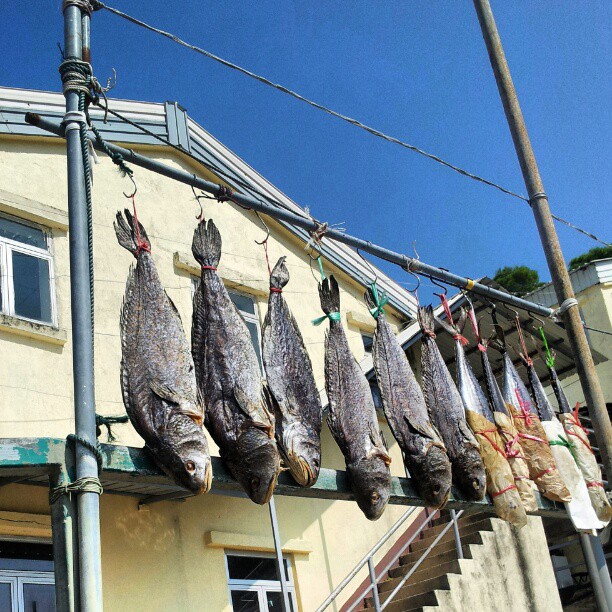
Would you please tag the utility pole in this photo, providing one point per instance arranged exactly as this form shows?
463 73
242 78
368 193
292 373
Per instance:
88 501
538 201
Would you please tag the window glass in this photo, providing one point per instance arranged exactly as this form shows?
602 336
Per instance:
274 601
22 233
38 597
5 596
244 303
367 343
245 601
253 568
26 556
254 331
31 286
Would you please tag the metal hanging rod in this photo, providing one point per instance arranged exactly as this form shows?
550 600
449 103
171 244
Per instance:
309 224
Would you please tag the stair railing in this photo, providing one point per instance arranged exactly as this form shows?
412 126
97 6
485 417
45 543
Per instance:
369 560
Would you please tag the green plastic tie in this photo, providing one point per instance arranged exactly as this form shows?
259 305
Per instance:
332 316
379 300
550 359
320 262
561 441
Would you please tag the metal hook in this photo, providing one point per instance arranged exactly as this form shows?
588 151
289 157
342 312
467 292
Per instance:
437 284
265 240
197 197
131 197
373 270
415 290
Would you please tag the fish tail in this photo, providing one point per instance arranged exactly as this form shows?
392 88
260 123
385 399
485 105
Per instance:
128 236
330 295
280 275
206 245
426 320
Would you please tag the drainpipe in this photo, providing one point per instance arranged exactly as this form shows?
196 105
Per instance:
279 557
538 201
90 571
598 571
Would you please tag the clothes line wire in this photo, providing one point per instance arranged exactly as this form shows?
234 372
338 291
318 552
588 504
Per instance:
329 111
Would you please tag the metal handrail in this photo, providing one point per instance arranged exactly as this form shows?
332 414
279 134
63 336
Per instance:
365 559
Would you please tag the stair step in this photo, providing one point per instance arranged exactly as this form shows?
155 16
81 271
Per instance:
430 571
419 588
464 530
473 516
415 602
442 548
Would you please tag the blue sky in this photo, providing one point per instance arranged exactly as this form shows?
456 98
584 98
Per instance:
417 70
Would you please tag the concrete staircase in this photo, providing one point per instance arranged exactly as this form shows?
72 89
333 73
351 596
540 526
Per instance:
487 578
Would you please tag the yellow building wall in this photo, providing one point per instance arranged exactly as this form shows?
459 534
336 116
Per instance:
157 559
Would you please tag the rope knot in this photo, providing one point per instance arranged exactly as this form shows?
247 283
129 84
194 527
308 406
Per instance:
225 194
379 301
332 316
87 484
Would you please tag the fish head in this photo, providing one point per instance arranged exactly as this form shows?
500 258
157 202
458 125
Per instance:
184 456
255 463
471 477
435 478
371 484
303 458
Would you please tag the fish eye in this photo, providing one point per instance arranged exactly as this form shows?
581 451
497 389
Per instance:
315 462
190 466
374 497
255 482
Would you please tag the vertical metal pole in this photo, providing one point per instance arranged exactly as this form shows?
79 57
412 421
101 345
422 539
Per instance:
548 235
598 571
279 556
457 535
64 532
375 595
90 570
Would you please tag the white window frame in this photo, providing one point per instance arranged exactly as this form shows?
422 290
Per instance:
7 286
261 587
17 579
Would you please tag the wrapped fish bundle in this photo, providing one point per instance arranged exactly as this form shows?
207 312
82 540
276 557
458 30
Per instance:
404 405
352 415
582 451
447 413
500 480
542 467
579 508
292 385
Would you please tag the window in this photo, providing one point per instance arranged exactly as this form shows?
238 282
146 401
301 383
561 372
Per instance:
254 583
247 307
367 340
26 577
26 272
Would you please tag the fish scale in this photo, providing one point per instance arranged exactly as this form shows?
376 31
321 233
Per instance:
157 372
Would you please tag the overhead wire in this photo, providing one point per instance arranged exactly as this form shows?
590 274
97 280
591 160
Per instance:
329 111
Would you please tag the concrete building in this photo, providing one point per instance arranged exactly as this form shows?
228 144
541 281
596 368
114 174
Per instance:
211 552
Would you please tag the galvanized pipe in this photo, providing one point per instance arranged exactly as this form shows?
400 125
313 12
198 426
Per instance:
280 564
598 571
400 521
407 263
453 514
372 571
90 570
585 366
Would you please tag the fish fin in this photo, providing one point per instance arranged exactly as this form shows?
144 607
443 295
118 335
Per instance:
251 411
367 296
463 317
329 294
280 275
270 404
426 319
415 429
206 245
164 392
377 452
126 233
498 339
451 329
384 441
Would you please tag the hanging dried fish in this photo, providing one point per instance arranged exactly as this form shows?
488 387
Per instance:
291 381
500 480
582 451
238 415
352 415
404 405
447 413
157 374
579 508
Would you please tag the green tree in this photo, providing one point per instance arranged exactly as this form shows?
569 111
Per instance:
592 255
518 280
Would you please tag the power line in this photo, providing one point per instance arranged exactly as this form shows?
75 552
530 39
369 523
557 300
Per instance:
347 119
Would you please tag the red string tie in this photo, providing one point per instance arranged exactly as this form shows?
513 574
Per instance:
209 268
498 493
511 450
585 442
524 409
275 290
472 316
592 484
546 471
519 330
576 418
141 245
484 433
534 438
225 194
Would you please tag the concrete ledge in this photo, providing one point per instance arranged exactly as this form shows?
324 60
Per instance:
32 210
361 321
187 263
241 541
36 331
25 525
